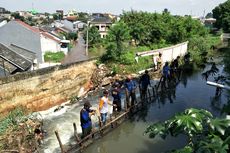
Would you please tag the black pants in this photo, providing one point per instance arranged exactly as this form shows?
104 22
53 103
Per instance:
118 105
86 131
131 95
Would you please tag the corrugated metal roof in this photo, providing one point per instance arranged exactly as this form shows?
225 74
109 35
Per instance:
9 68
14 58
23 52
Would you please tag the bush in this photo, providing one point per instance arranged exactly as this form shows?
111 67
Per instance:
54 57
11 120
127 58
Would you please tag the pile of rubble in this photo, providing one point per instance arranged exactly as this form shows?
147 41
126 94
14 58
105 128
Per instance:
23 137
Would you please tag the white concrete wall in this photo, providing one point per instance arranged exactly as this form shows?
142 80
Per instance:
168 53
49 45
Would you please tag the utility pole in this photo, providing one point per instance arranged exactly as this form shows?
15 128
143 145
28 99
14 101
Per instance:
87 39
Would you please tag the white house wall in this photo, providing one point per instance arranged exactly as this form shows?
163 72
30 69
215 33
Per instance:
49 45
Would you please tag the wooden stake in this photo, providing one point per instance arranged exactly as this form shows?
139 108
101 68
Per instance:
75 132
59 141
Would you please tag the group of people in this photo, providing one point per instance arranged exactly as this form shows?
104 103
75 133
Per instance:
168 73
171 72
104 102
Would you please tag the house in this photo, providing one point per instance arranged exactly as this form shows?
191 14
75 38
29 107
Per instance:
102 24
30 38
79 25
12 62
2 10
72 15
209 22
65 24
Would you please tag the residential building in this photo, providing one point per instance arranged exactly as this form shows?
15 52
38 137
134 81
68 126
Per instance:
2 10
12 62
64 24
209 22
31 39
79 25
102 24
72 15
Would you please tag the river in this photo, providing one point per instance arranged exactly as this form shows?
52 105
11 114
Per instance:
191 92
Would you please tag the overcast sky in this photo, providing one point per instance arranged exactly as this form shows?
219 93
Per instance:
176 7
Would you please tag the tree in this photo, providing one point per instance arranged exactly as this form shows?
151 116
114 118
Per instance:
17 16
82 16
117 36
209 15
205 133
94 37
222 15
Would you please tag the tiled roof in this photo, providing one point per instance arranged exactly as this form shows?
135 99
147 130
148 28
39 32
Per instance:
34 29
48 35
14 58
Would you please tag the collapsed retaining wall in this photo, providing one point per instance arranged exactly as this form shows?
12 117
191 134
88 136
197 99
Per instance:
41 89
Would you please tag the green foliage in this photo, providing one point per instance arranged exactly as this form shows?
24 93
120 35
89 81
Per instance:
82 16
54 57
17 16
213 143
186 149
222 15
72 36
94 37
127 58
200 46
117 36
205 133
151 28
11 120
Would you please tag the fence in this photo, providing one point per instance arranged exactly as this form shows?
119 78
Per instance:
112 123
168 53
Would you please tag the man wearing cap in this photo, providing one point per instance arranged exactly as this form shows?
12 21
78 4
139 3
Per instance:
85 118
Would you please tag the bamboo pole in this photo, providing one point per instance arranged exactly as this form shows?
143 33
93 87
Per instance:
75 132
6 151
59 141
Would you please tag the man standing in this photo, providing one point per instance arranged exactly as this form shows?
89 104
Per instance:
103 106
144 82
130 87
85 118
159 61
116 96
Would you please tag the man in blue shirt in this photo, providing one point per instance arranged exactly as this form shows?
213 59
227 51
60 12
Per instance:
85 118
130 87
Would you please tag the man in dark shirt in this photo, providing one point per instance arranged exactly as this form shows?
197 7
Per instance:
85 118
116 96
144 82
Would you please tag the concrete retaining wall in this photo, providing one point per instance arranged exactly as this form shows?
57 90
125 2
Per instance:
44 88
